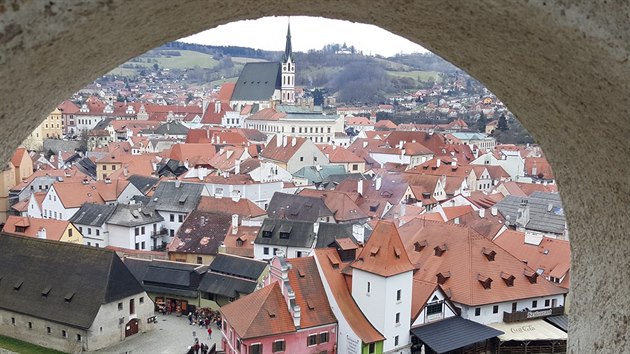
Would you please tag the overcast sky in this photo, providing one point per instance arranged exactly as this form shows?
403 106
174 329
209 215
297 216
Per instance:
268 33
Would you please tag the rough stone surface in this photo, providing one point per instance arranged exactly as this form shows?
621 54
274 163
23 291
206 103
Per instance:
562 67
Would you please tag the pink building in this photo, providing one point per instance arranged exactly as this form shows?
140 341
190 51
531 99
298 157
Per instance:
290 315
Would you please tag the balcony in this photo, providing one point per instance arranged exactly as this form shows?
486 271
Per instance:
531 314
159 233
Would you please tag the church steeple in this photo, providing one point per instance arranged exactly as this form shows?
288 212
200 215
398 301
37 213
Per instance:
288 50
288 72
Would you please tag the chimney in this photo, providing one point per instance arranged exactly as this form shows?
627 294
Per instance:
453 164
360 186
438 162
316 227
378 182
41 233
482 213
234 224
297 314
534 170
293 141
217 106
125 171
178 183
237 167
493 211
279 140
108 180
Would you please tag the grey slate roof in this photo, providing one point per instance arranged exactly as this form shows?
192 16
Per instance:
226 285
79 279
143 183
134 215
300 233
540 217
257 82
176 197
102 125
238 266
171 128
93 214
297 207
561 321
87 166
313 175
453 333
329 232
165 277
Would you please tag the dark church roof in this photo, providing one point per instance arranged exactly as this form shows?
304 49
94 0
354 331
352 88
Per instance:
61 282
257 82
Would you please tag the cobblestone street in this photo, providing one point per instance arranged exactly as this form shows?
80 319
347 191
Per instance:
171 335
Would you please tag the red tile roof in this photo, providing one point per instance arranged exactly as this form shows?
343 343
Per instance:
54 228
259 314
338 154
19 154
309 293
243 207
439 248
331 267
282 153
342 206
384 253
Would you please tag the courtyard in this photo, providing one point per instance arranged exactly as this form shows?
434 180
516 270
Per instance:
172 334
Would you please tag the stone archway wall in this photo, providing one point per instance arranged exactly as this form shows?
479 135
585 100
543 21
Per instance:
562 67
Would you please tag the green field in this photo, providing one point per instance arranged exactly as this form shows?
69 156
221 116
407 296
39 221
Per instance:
417 75
242 60
187 59
22 347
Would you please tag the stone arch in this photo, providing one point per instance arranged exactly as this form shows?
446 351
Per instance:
563 69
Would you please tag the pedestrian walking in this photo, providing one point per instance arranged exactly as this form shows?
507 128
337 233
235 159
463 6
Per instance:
190 318
210 333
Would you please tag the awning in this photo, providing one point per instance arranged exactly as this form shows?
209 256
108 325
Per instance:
453 333
528 331
170 291
561 321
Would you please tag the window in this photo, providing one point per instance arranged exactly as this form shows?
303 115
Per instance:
172 217
355 167
120 306
69 232
372 348
13 320
231 299
30 325
199 260
278 346
396 341
142 230
547 303
104 167
89 230
171 232
534 304
180 218
292 129
398 318
98 232
89 244
301 158
478 311
255 348
514 307
323 337
137 246
315 158
434 309
311 340
64 333
97 245
80 229
141 300
495 309
78 337
132 306
142 245
368 287
48 330
398 294
266 250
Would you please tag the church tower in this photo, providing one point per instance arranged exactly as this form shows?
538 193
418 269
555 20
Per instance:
288 72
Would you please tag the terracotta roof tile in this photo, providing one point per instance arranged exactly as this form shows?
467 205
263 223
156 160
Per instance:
259 314
384 253
331 268
54 228
243 207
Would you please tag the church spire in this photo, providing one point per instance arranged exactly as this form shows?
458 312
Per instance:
288 51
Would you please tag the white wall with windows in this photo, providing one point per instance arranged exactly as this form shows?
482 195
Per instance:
493 313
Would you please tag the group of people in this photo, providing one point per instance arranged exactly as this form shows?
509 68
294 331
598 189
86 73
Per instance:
198 348
204 318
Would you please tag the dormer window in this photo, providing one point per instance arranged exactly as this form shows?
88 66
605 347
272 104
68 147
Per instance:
488 253
442 277
46 291
18 285
419 246
531 276
374 251
486 282
20 228
267 231
439 250
508 278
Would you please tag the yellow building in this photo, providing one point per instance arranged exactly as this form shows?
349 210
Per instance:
106 166
47 229
51 127
19 168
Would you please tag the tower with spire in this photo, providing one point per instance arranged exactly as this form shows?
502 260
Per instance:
288 72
